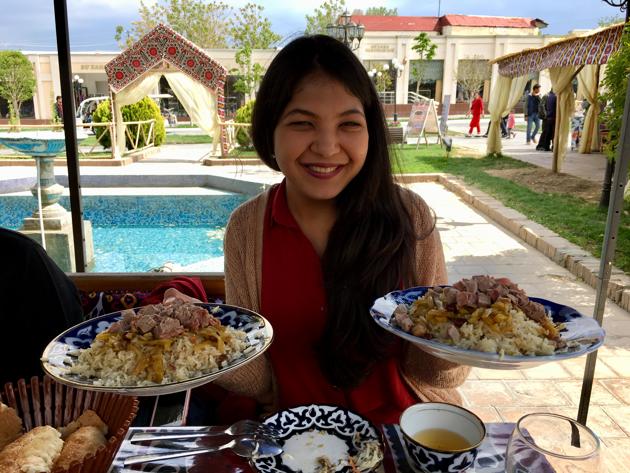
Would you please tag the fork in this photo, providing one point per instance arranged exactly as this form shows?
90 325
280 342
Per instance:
242 427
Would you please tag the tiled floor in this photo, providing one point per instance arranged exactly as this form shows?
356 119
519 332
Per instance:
475 245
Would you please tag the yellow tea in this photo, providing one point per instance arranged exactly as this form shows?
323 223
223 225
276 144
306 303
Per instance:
441 439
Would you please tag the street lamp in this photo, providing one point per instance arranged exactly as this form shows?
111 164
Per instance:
346 31
398 68
77 84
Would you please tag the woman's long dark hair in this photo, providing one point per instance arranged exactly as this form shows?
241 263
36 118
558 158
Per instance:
370 249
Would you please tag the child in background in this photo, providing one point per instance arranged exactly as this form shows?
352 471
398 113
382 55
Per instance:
511 123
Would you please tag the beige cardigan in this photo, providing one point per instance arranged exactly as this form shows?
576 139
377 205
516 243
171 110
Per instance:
431 378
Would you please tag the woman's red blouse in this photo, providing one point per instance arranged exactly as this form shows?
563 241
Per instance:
294 301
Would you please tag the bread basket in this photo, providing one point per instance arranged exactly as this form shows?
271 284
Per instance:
45 402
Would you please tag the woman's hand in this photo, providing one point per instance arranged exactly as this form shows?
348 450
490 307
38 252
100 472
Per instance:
171 295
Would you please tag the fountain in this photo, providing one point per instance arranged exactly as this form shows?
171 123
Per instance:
50 224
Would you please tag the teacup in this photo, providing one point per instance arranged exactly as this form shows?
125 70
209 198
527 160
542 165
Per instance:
441 437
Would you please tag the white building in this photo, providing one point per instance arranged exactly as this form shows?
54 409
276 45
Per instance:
457 37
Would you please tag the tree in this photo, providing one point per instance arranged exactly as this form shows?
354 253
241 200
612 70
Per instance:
249 31
609 21
327 13
426 50
203 23
382 77
17 80
471 74
381 11
614 84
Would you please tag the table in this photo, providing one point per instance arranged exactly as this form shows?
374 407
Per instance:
489 460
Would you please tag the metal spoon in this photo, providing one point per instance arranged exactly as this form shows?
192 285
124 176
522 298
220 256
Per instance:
242 446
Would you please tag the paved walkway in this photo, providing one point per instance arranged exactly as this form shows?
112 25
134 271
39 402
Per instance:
475 245
586 166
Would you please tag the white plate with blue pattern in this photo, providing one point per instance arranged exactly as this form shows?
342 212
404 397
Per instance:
584 330
314 431
61 353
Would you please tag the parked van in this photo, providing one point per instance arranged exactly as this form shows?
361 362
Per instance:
87 107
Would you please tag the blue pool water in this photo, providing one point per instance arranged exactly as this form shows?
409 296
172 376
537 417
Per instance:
138 233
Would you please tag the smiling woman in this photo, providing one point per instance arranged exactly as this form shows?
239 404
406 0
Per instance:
314 252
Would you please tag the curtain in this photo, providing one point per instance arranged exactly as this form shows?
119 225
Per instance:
588 84
200 104
498 101
505 95
561 81
131 94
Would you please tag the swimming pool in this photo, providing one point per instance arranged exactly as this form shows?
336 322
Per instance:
136 233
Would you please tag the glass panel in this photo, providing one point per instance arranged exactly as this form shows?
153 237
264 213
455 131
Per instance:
352 31
433 70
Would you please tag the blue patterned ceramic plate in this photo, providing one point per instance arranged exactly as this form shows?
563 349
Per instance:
314 431
60 354
585 330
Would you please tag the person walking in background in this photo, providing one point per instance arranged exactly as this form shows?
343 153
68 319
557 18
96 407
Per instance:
547 136
531 114
476 110
511 123
542 114
59 108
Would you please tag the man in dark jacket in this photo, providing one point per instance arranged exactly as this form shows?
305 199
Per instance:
37 302
547 136
531 114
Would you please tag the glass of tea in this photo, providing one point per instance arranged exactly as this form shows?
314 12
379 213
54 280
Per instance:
552 443
441 437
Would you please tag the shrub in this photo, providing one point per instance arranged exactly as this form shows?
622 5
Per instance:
144 109
244 115
615 83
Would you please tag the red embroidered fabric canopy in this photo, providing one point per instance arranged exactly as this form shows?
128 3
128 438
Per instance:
161 47
594 48
164 44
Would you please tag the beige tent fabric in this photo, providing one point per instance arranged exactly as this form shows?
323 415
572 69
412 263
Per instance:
505 95
200 103
561 81
130 94
588 82
498 101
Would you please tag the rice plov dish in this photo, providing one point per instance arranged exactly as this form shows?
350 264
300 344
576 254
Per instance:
161 343
484 314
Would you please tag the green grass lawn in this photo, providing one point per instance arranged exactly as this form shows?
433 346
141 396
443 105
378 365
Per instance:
187 139
573 218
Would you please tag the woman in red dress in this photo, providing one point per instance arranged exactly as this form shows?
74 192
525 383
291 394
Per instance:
476 110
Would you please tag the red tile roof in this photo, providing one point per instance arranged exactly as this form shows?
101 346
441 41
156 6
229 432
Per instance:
487 21
434 23
398 23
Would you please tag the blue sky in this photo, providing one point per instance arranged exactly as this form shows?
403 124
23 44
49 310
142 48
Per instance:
29 24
